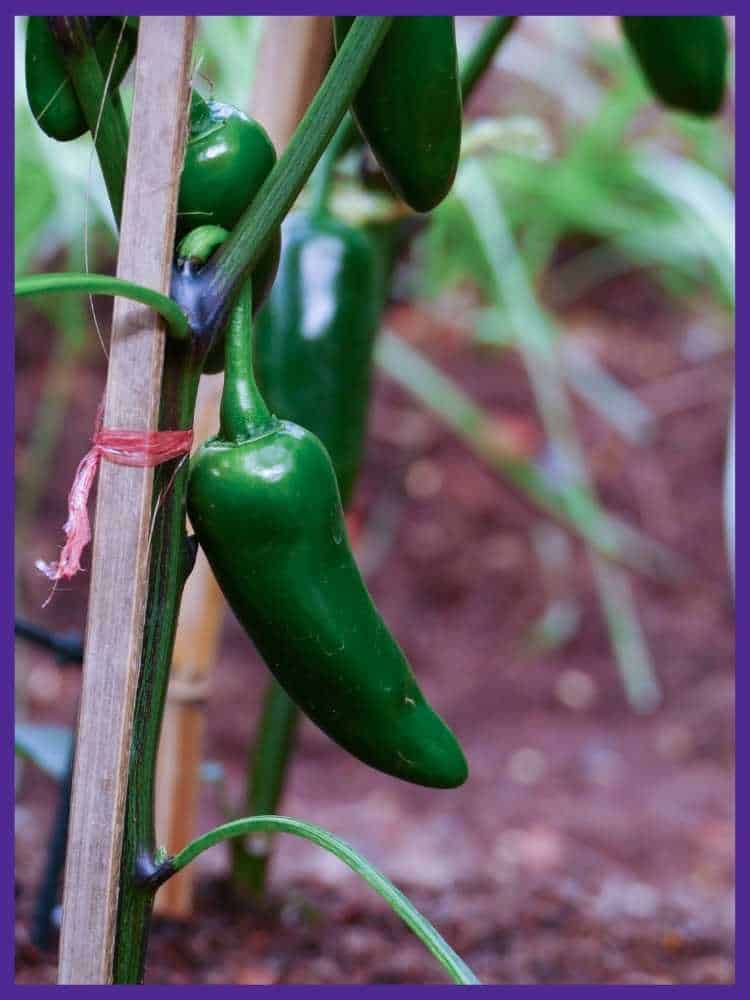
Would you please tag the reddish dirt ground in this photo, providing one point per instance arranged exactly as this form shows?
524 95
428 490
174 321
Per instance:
590 845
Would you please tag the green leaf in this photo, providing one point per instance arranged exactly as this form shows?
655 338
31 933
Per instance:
453 964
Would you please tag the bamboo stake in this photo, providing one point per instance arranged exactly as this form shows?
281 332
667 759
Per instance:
195 653
302 46
120 551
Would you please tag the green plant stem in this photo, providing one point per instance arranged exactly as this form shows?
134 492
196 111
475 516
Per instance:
452 963
219 281
169 566
268 765
243 411
103 112
105 284
480 57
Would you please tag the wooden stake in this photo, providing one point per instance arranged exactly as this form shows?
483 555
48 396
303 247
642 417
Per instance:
120 551
292 60
181 748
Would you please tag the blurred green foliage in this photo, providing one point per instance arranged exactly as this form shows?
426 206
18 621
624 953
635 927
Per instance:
647 187
59 192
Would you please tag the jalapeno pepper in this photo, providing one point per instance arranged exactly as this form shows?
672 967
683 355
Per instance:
50 92
315 335
265 506
683 58
409 107
227 158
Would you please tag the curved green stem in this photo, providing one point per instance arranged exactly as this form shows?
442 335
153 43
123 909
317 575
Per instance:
105 284
453 964
235 260
481 55
243 412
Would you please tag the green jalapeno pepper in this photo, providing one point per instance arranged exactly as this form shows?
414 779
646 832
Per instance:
409 107
265 506
50 92
315 335
227 158
683 58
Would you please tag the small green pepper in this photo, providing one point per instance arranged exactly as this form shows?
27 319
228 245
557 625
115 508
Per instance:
409 107
50 92
265 506
683 58
315 335
227 158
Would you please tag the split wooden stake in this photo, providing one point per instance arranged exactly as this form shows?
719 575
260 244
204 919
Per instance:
120 554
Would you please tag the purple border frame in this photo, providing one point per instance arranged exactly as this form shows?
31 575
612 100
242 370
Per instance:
7 421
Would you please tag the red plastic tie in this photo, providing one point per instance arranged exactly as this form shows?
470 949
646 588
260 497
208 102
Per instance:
141 449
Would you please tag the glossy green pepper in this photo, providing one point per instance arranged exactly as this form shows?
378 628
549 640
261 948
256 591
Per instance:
315 335
265 506
227 158
50 92
683 58
409 107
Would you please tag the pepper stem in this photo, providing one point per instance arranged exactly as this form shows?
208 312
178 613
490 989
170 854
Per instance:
244 413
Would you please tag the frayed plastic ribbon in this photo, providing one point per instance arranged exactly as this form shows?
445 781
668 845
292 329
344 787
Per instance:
141 449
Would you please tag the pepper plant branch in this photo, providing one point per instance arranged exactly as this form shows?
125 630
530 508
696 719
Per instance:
169 567
218 282
103 111
453 964
105 284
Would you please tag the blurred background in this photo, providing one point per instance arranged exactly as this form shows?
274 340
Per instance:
554 386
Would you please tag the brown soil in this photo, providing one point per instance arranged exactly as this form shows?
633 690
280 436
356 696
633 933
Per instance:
590 845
